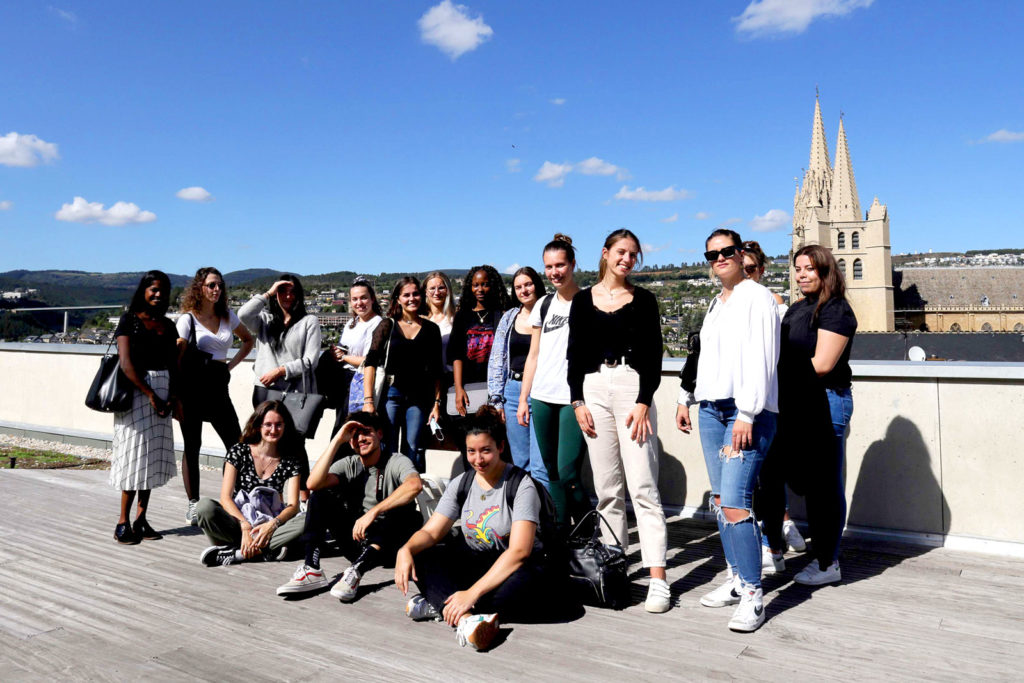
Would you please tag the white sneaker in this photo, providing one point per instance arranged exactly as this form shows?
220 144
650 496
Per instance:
348 585
477 630
750 614
304 580
725 595
190 513
792 535
659 597
771 563
812 574
418 609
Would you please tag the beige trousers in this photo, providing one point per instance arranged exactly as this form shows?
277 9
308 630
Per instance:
619 463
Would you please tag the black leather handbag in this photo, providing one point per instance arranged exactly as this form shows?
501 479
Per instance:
111 391
597 571
306 408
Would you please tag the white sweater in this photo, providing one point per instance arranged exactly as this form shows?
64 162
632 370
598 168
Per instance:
739 352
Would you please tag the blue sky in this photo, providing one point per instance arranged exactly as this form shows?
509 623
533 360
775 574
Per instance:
412 135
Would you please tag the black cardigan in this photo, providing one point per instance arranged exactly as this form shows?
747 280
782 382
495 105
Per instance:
643 354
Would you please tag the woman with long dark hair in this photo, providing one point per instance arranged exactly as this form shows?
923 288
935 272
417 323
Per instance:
614 368
351 349
737 388
482 303
256 514
407 347
544 398
816 405
506 366
143 444
207 322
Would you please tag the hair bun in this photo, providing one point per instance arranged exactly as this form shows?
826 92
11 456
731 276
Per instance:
562 237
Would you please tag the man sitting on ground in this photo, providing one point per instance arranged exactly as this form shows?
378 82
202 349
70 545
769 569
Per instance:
366 500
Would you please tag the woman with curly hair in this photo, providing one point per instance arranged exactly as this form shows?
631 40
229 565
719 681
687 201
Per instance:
483 301
207 322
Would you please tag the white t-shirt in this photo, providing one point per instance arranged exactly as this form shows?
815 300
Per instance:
358 338
214 342
550 382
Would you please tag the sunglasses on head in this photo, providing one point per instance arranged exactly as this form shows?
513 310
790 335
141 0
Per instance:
750 270
727 252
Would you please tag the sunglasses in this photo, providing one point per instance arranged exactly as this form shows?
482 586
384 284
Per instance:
214 285
727 252
750 270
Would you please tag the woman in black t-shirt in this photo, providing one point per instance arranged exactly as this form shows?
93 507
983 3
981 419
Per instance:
244 526
407 347
481 304
143 444
815 405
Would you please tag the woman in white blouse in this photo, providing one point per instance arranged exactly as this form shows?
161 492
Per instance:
207 322
354 343
737 389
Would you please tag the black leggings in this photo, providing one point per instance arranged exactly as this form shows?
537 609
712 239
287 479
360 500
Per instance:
525 596
336 510
210 404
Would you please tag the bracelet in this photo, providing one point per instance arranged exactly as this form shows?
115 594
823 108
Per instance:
437 401
577 404
277 523
368 399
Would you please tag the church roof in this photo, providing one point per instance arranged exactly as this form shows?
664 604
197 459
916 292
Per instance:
915 288
845 205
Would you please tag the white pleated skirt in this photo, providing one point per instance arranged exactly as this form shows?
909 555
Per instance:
143 441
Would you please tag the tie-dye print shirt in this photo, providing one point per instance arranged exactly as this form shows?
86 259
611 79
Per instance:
486 523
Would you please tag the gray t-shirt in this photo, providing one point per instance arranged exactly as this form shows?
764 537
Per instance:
486 523
397 470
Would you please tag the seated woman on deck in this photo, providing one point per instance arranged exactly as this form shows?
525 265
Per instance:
258 511
495 568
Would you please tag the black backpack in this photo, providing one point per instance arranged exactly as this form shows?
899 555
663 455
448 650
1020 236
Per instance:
548 531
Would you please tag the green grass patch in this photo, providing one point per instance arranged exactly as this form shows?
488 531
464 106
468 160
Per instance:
31 459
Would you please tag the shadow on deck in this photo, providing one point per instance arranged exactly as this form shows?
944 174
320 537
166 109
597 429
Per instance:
75 605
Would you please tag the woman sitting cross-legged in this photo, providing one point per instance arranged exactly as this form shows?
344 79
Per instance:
257 515
496 568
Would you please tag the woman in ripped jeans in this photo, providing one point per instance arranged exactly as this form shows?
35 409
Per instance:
737 390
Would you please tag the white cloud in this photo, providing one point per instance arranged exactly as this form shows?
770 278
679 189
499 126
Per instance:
25 150
669 194
64 14
558 101
774 219
121 213
511 269
553 174
513 165
649 248
6 205
702 215
1004 135
768 17
671 219
194 194
595 166
729 221
450 28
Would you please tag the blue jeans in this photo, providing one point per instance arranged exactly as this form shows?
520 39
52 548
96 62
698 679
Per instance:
409 416
525 451
840 405
733 479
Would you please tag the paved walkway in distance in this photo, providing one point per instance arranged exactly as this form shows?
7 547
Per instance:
76 606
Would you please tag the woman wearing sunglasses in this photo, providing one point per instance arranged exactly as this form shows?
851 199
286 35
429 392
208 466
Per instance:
737 390
207 322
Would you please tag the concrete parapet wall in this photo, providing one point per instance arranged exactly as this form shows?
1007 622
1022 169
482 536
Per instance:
933 453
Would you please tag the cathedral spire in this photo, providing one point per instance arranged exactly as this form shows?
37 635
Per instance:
818 177
845 205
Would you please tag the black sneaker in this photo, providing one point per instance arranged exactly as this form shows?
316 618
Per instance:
217 555
124 535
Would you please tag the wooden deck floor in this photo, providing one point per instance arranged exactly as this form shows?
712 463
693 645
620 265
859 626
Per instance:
76 606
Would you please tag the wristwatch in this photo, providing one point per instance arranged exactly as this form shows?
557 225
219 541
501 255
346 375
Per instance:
577 404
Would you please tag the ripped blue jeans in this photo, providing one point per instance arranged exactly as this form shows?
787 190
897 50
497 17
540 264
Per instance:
733 479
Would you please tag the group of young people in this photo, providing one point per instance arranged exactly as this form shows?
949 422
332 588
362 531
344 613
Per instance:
533 383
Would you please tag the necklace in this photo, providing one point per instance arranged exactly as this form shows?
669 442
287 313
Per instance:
611 294
482 315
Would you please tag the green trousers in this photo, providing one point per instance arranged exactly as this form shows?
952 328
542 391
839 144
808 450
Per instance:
223 529
562 448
